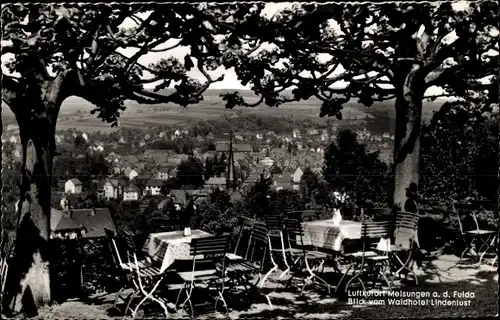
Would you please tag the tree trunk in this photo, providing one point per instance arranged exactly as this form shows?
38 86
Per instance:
407 140
30 278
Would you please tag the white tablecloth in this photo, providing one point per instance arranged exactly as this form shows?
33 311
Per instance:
166 247
324 234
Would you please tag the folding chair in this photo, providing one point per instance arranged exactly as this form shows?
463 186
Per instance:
295 232
405 240
144 274
369 263
274 225
122 270
208 253
470 237
240 267
246 224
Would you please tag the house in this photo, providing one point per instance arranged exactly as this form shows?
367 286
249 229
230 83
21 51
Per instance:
13 139
133 173
147 137
325 137
259 136
61 225
73 186
173 172
386 135
238 137
267 161
99 148
131 193
113 188
130 173
296 133
177 133
297 175
163 171
85 223
162 135
93 221
122 141
216 182
185 132
320 150
317 170
271 133
210 135
282 182
312 132
127 171
179 197
153 187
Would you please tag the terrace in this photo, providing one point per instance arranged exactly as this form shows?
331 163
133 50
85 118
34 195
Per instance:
256 284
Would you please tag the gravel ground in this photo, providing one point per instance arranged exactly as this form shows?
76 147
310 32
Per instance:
437 277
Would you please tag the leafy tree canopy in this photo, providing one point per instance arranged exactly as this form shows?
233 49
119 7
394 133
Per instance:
336 52
76 48
350 168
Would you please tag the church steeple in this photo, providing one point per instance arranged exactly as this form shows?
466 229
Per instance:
230 184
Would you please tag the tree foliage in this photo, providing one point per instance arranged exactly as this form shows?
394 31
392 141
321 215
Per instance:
191 173
460 154
350 168
80 42
447 44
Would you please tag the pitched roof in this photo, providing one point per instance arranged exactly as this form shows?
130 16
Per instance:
59 221
282 178
179 195
131 188
154 183
224 147
283 186
116 182
75 181
216 181
94 221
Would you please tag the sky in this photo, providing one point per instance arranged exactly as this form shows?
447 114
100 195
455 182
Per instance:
230 80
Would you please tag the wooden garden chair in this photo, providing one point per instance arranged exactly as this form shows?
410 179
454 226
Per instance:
246 224
145 276
123 272
241 264
303 256
405 241
371 262
209 269
471 237
276 241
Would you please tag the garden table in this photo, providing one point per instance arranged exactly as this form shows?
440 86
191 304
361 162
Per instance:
166 247
325 234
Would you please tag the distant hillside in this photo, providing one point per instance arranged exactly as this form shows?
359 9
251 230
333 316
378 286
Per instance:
75 112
